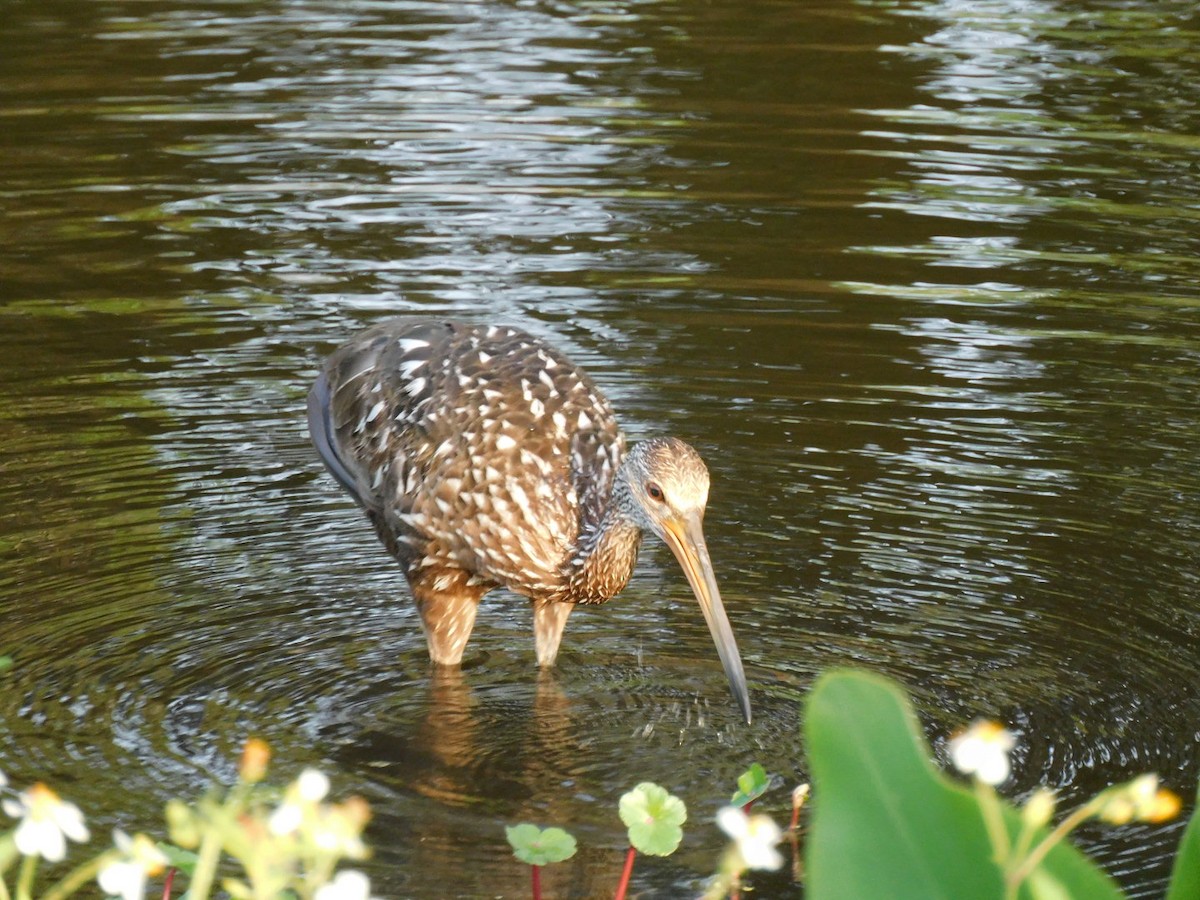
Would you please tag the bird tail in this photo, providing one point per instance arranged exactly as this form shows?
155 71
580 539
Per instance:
324 438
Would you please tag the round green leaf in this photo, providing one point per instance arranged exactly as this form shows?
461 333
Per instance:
540 847
653 818
752 784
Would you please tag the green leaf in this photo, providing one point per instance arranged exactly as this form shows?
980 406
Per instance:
1185 876
752 784
1044 886
178 858
887 823
6 663
540 847
653 818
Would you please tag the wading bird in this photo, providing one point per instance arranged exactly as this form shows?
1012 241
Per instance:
484 458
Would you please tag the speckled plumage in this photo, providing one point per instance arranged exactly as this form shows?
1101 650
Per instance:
484 458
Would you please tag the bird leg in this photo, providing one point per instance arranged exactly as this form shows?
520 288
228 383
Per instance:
447 604
549 620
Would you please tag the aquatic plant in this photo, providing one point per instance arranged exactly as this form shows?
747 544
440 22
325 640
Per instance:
537 847
287 844
654 820
885 821
752 784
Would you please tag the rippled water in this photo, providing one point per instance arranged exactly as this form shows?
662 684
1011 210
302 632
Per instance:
918 278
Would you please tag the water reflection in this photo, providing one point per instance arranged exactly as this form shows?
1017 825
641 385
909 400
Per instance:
995 495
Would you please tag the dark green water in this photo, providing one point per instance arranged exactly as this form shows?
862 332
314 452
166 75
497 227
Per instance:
918 278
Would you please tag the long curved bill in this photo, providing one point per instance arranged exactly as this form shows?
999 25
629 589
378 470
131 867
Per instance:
685 537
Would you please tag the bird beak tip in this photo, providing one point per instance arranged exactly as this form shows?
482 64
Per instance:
686 540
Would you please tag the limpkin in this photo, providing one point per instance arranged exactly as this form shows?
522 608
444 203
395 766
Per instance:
484 458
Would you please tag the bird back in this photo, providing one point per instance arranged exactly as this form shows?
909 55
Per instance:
478 446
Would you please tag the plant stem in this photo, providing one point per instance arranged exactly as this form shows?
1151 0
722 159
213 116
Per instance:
77 878
993 821
206 865
1023 868
167 882
8 855
1021 847
537 882
25 878
209 854
626 874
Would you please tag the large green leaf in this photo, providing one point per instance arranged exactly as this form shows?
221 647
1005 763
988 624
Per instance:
886 823
1185 877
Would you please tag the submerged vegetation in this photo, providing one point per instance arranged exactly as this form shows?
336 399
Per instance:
884 822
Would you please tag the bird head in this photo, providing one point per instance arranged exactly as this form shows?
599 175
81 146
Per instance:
667 483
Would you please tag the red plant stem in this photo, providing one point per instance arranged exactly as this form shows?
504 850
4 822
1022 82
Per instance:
167 883
537 882
795 817
625 875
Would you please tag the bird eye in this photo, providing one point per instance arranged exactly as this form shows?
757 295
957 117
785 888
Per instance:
654 491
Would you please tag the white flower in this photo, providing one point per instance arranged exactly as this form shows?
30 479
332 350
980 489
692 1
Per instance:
312 786
982 750
122 879
755 837
286 819
126 877
348 884
46 822
300 799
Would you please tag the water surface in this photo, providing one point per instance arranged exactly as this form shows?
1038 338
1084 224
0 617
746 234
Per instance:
917 278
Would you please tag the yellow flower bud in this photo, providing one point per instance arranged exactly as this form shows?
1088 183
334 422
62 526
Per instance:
1118 810
1166 805
182 825
255 757
1039 808
800 796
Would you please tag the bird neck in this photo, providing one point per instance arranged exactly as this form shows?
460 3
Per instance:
607 552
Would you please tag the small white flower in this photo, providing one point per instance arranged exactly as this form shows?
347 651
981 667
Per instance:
982 750
126 877
46 822
300 800
312 786
755 837
285 820
348 884
123 879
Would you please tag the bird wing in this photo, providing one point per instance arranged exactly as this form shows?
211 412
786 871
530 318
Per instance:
483 446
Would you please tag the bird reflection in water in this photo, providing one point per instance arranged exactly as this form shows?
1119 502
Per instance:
480 750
